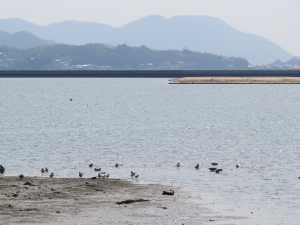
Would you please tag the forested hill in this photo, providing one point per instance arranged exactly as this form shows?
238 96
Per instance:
98 56
22 39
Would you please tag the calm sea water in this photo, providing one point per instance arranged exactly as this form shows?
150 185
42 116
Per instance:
147 126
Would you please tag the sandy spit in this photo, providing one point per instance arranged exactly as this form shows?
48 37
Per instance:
236 80
35 200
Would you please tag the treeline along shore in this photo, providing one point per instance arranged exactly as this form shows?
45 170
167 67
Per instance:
145 73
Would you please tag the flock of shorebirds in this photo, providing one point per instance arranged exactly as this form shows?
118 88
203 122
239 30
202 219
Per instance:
133 174
212 169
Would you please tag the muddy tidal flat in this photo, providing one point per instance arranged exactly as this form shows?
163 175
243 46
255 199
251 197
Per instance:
34 200
236 80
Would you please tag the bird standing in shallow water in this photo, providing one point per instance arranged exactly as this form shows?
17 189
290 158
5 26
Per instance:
107 176
46 170
80 174
132 173
237 165
91 165
178 164
214 164
99 175
97 169
2 169
218 170
197 166
117 165
51 175
42 170
137 176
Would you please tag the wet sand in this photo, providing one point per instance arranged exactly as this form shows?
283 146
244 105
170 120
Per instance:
35 200
236 80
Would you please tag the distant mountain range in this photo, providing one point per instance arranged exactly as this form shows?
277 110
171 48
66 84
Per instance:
22 40
198 33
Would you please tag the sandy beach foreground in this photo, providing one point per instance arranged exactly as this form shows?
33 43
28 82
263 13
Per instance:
236 80
35 200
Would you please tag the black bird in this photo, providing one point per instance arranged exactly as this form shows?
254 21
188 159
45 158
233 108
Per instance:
197 166
2 169
21 176
97 169
91 165
218 170
212 169
214 164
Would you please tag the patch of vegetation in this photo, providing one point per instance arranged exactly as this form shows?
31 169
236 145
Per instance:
132 201
29 183
15 195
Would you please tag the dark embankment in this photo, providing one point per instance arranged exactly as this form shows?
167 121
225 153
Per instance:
148 73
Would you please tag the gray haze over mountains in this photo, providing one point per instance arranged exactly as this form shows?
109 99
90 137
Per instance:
198 33
22 40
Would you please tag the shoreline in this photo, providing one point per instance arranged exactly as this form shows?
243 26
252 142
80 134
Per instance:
236 80
72 200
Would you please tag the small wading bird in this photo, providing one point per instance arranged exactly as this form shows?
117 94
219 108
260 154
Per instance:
42 170
214 164
117 165
218 170
197 166
178 164
107 176
137 176
91 165
99 175
2 169
21 176
97 169
132 173
51 175
80 174
212 169
237 165
46 170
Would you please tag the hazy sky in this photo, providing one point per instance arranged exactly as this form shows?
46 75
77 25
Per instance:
276 20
